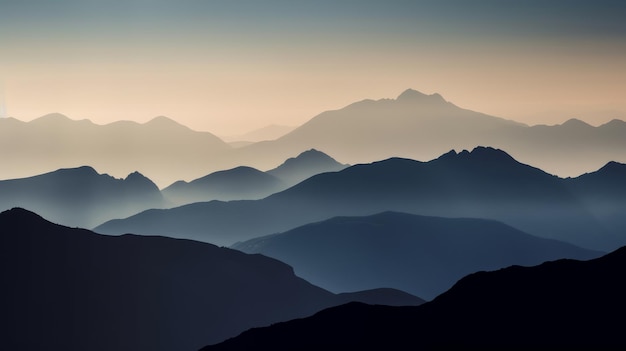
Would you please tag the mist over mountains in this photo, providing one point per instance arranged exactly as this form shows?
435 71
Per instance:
81 197
414 125
421 255
483 183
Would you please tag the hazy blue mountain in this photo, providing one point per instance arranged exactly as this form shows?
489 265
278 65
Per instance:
233 184
485 183
80 196
247 183
161 148
604 193
307 164
565 304
71 289
421 255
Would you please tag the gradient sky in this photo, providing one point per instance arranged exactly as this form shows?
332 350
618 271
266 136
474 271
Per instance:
232 66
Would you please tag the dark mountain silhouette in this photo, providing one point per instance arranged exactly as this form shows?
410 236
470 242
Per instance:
71 289
247 183
233 184
604 193
161 148
307 164
561 304
485 183
421 255
80 196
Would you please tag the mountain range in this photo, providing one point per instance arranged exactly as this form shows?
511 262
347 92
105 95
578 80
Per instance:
161 149
81 197
564 304
243 182
484 183
72 289
414 125
421 255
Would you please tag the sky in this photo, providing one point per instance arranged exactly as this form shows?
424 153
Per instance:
229 67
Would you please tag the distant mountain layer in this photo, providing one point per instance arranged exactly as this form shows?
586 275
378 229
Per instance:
561 304
71 289
421 127
247 183
161 149
485 183
414 125
421 255
81 197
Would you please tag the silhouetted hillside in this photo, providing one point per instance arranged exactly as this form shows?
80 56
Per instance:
80 196
233 184
561 304
421 255
71 289
485 183
307 164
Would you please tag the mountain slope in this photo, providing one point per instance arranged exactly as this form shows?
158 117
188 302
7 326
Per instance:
485 183
421 255
80 196
560 304
307 164
233 184
71 289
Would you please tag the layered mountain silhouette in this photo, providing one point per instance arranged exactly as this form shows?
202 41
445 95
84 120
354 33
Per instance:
560 304
71 289
161 148
80 196
307 164
243 183
484 183
270 132
233 184
421 255
414 125
421 127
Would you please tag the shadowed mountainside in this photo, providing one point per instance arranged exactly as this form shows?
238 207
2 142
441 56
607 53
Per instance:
71 289
421 255
560 304
80 196
485 183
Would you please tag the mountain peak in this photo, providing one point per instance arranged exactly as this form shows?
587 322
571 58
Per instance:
414 95
52 118
162 121
576 123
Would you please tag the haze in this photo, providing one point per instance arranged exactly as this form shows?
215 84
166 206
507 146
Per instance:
230 67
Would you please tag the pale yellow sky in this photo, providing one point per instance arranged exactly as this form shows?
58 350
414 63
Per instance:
245 70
